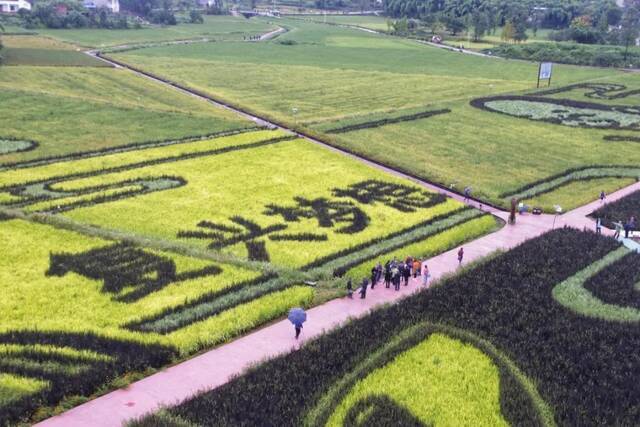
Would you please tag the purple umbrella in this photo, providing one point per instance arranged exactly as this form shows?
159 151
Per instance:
297 316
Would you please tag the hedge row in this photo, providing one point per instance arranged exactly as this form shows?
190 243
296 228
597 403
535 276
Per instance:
387 121
583 368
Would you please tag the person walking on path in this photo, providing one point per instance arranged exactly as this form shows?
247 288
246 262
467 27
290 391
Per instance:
416 268
374 277
467 194
407 274
298 328
425 275
363 288
460 256
387 276
349 289
598 226
629 227
395 275
618 226
602 196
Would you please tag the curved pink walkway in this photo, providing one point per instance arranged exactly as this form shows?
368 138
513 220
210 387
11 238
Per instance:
217 366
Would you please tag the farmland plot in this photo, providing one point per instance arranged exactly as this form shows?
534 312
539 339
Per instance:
425 111
236 224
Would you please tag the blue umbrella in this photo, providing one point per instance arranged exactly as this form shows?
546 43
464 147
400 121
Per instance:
297 316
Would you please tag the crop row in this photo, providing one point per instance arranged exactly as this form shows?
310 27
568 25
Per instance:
38 190
112 150
386 121
562 357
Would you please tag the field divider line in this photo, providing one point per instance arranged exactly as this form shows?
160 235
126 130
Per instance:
277 124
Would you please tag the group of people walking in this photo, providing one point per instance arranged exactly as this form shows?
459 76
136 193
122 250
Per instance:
394 273
628 227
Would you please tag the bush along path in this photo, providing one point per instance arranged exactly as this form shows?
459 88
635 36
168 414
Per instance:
217 367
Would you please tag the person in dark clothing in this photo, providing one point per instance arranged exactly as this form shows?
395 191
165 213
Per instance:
460 255
363 288
387 276
598 226
349 289
396 279
602 196
298 328
374 277
407 274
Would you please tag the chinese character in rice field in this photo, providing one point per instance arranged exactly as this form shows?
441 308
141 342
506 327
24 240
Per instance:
247 232
327 213
401 197
121 266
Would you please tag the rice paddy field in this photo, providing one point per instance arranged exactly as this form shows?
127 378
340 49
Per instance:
318 77
141 225
126 258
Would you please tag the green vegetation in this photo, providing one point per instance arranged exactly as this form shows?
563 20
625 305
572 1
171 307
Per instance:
33 50
571 53
74 110
360 77
574 292
215 28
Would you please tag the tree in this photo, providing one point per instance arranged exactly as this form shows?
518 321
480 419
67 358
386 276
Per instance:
195 17
508 32
629 26
454 24
480 22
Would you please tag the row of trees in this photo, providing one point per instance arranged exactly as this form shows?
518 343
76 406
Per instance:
48 14
72 14
583 21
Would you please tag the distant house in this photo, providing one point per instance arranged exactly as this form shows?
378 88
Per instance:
13 6
111 5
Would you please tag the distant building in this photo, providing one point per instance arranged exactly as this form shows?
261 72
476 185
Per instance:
13 6
111 5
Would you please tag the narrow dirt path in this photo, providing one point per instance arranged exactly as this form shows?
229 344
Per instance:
216 367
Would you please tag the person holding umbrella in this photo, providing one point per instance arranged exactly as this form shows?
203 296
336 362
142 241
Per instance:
297 316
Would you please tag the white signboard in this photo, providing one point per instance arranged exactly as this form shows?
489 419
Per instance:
545 70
